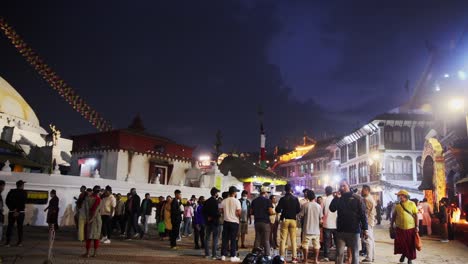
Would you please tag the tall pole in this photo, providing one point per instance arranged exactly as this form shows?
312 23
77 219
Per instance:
262 162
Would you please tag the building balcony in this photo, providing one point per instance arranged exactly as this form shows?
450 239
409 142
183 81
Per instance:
399 176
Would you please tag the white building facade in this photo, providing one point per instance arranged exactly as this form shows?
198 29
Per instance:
386 154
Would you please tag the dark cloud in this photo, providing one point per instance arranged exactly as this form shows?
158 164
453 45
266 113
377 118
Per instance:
188 67
192 67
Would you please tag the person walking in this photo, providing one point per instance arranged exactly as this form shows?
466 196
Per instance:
274 222
369 241
160 217
188 214
52 210
443 218
92 206
351 221
80 213
211 215
329 224
311 213
167 216
406 220
176 218
378 211
426 228
119 214
16 203
2 216
245 218
133 210
389 211
146 210
231 208
199 224
289 207
108 207
262 209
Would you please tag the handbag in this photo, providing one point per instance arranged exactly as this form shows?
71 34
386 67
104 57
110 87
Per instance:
417 238
418 242
161 227
392 232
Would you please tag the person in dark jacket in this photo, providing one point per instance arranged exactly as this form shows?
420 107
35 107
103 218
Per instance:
16 203
211 214
351 220
443 218
52 210
146 210
176 218
133 211
199 224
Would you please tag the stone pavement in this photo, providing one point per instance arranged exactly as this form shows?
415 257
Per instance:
67 250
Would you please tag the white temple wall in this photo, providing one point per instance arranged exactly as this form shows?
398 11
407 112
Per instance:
68 187
178 172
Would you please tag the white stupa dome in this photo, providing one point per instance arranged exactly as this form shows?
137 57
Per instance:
13 104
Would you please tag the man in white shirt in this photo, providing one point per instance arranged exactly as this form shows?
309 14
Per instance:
370 213
311 214
109 202
329 223
231 209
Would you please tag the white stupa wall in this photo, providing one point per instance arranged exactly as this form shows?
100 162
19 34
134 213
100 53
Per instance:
68 187
115 165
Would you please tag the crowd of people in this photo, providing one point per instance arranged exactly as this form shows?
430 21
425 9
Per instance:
342 219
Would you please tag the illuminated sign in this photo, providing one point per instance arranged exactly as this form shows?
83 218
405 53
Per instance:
37 197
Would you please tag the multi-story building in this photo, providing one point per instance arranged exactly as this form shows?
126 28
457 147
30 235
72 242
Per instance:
311 166
386 154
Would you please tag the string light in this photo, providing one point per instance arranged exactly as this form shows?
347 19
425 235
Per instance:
58 84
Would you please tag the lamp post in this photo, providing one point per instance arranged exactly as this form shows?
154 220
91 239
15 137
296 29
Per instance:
457 104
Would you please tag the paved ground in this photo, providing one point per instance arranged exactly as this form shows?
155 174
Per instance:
66 250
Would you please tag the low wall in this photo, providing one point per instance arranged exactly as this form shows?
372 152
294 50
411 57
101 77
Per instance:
68 187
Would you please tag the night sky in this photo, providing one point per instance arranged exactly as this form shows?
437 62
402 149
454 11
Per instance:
192 67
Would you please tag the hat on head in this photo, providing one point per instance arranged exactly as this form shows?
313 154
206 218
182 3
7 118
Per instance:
20 182
403 192
214 190
233 189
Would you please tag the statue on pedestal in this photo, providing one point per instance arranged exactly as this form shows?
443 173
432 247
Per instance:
6 167
56 134
96 174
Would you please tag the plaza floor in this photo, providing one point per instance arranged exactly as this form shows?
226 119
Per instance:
67 250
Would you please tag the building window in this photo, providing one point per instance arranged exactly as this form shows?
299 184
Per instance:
363 171
420 137
361 146
352 150
352 174
311 167
418 169
344 154
399 168
374 171
398 137
374 141
344 173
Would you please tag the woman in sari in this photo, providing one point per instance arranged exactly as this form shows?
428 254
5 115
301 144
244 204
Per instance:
407 225
93 226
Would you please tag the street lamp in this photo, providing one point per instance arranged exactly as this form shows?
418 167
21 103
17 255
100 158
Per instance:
457 104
